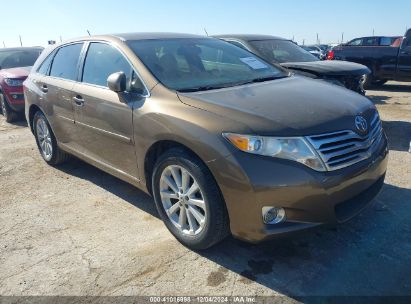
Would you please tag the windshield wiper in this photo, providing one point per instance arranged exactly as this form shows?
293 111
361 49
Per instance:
262 79
202 88
234 84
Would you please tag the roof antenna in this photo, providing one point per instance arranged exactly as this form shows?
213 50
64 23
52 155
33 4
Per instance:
205 31
88 32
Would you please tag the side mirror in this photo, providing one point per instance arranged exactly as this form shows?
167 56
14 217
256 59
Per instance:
117 82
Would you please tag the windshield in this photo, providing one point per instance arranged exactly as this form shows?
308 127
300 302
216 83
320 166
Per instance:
18 58
195 64
282 51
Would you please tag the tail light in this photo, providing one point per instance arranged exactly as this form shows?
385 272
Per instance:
330 55
397 42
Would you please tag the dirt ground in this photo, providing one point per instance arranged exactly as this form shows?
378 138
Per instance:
75 230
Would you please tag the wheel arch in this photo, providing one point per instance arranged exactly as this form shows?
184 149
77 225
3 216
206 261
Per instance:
156 150
33 110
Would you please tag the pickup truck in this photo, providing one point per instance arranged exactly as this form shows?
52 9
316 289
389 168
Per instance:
388 58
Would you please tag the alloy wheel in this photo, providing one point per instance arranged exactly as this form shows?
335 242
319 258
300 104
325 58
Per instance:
182 200
44 139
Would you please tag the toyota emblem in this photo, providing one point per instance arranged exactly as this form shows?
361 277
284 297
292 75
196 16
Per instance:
361 124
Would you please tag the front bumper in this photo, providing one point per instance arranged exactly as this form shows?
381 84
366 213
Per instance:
14 98
310 198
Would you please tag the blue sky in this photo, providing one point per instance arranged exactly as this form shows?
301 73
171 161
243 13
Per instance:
42 20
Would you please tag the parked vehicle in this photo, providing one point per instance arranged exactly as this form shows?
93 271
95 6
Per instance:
289 55
14 67
315 50
388 58
325 47
222 139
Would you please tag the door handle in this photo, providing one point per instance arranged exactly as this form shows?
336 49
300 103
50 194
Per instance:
44 88
79 101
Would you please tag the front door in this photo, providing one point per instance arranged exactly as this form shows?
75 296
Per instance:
104 119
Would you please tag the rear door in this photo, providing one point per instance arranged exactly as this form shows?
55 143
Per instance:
104 119
56 87
404 60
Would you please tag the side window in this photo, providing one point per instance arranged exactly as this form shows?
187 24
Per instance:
102 60
355 42
372 41
65 62
237 44
386 41
44 67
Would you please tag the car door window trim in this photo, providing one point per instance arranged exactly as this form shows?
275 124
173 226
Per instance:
146 94
239 42
54 56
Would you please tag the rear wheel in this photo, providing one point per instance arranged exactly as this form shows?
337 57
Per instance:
379 83
189 200
46 141
7 112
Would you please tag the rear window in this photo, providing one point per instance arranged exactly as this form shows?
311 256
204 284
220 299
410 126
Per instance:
66 61
387 41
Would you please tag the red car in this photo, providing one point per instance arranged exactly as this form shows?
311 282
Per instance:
15 65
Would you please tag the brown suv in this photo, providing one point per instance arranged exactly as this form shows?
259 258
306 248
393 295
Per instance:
223 140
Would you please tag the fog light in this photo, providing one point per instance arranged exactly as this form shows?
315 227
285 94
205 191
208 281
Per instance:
273 215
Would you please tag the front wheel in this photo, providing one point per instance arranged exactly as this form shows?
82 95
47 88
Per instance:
367 81
189 200
46 141
8 113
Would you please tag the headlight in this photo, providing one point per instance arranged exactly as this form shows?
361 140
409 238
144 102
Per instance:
334 81
292 148
14 82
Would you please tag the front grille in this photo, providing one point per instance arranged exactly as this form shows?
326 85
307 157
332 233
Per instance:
344 148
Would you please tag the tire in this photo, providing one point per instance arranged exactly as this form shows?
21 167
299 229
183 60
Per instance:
7 112
215 223
367 81
46 141
379 83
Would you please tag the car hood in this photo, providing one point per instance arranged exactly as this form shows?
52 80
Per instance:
292 106
22 72
329 68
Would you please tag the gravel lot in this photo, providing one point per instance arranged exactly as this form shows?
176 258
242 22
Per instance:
75 230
